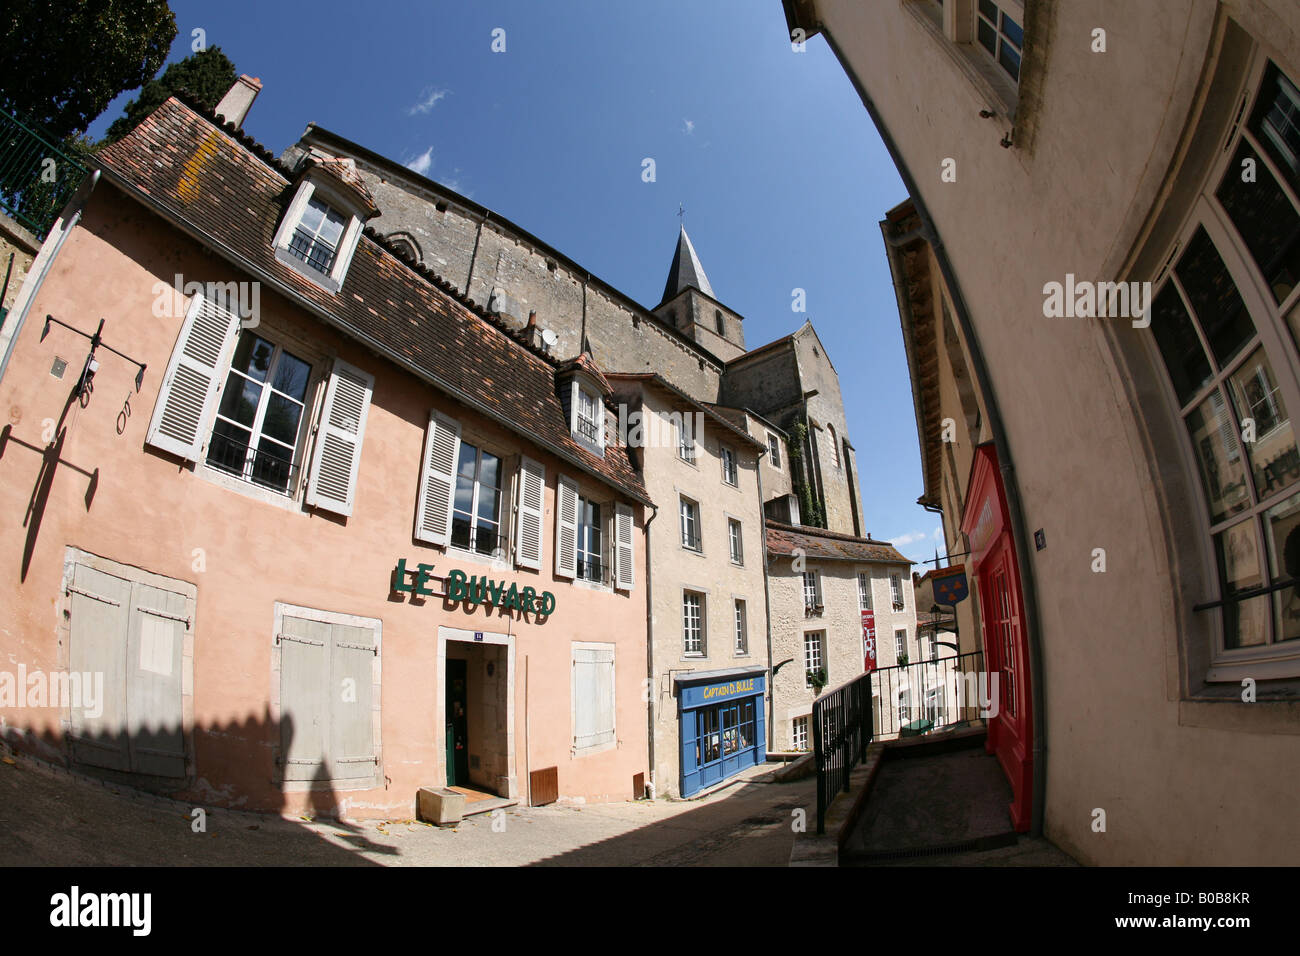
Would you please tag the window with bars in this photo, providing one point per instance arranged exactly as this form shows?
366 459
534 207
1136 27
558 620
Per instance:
589 417
590 566
258 428
864 591
476 506
693 624
1226 322
742 632
317 235
690 521
812 656
734 537
1001 36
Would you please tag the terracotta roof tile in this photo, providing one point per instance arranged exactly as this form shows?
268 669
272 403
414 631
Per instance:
783 539
234 193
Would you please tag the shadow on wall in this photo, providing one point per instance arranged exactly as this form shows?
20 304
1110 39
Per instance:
164 761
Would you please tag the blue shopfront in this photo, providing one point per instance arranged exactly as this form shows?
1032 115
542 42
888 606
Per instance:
722 727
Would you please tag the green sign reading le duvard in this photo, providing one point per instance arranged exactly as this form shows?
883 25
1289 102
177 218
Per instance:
475 590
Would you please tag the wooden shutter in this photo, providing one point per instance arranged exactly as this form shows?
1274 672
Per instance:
190 383
528 520
304 697
566 528
351 734
437 479
338 441
99 611
155 651
593 696
624 574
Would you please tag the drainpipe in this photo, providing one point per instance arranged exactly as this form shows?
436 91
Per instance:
40 267
650 653
1029 589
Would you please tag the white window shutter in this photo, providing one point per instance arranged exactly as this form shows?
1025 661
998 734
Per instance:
338 441
593 697
624 575
437 479
566 528
190 383
528 520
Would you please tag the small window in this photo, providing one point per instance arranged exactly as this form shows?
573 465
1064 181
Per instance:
734 536
729 471
774 450
589 541
589 416
835 445
690 515
812 590
258 433
812 658
686 440
476 509
693 624
717 317
742 633
799 733
317 235
1002 37
900 646
896 591
593 697
864 591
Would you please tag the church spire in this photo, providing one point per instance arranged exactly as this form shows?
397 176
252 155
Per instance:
686 270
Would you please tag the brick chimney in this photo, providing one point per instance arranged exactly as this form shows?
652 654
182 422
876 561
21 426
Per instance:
234 106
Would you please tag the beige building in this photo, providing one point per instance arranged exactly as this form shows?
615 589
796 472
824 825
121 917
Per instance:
1132 489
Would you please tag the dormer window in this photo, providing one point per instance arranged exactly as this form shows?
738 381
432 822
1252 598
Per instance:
583 392
588 416
322 226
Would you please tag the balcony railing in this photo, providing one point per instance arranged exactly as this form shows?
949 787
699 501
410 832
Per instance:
37 178
313 250
587 429
591 569
481 540
259 466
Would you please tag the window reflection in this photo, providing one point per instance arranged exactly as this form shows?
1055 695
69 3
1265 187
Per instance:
1245 622
1223 473
1256 398
1282 526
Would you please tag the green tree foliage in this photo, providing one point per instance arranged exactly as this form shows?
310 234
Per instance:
63 61
207 75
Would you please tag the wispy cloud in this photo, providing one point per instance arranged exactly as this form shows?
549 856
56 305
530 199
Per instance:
428 100
422 163
688 126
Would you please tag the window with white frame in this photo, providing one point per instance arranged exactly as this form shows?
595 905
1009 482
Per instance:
589 416
812 657
864 591
317 235
690 522
812 590
742 632
590 565
799 733
734 538
476 507
319 232
693 624
774 450
729 471
900 645
896 591
1001 36
593 697
1226 323
258 433
686 439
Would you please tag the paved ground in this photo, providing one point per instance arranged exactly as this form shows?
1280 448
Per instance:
920 806
49 817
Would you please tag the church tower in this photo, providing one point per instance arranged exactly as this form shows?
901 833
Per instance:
689 306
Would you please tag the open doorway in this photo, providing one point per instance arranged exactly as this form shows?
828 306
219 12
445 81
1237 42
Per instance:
477 683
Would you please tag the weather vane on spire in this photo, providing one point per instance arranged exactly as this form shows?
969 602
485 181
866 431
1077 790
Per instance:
681 214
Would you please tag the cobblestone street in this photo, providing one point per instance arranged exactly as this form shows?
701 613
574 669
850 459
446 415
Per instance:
51 818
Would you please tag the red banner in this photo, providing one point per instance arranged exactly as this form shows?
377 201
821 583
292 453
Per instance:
869 638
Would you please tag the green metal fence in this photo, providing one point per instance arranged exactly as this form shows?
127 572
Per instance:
37 178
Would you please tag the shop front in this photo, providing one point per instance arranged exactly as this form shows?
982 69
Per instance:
721 725
1002 616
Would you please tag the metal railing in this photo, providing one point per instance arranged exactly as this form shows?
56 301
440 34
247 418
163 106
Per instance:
37 178
256 465
841 725
313 250
481 540
922 696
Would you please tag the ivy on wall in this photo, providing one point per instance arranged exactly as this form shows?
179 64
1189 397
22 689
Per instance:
810 510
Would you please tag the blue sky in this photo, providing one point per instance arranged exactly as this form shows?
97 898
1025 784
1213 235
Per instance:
781 173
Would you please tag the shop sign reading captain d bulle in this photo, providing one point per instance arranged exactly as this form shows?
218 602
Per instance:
475 590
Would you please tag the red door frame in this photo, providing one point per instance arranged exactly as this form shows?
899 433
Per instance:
1002 614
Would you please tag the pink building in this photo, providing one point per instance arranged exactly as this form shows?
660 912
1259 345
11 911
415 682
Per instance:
235 579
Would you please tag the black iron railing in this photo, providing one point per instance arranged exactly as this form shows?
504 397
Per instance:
260 466
37 178
841 721
587 429
481 540
591 569
921 696
313 250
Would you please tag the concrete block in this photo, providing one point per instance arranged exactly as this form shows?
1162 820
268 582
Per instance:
443 807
